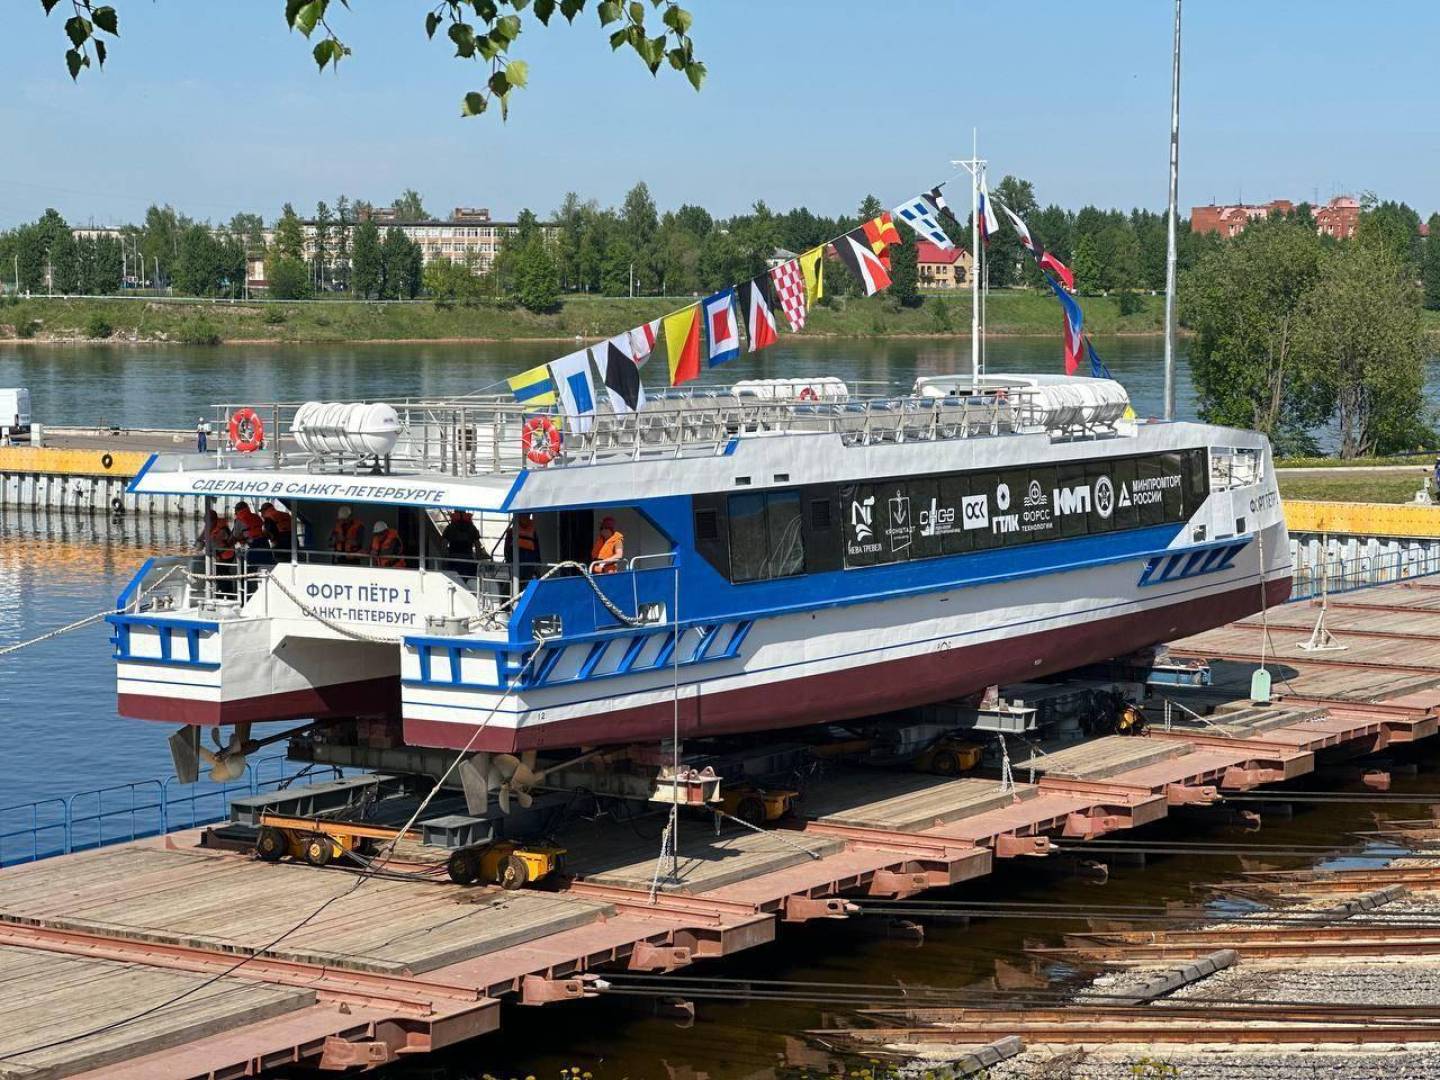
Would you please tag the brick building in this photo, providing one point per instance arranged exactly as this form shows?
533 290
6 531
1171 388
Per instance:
1336 218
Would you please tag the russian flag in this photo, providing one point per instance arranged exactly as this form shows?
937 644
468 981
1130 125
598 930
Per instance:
1074 326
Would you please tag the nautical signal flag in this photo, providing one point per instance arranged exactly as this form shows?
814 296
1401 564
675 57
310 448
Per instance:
620 374
859 256
642 340
940 204
881 233
1074 326
722 329
1026 240
923 216
576 389
533 387
682 344
988 222
1045 260
759 306
812 266
789 282
1059 269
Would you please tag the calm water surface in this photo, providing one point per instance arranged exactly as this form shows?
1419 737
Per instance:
169 386
61 733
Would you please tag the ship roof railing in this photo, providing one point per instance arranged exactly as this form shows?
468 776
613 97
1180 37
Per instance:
482 435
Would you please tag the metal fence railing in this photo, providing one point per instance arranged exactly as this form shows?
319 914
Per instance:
1340 575
120 813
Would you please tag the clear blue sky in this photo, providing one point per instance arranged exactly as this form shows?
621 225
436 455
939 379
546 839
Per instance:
216 107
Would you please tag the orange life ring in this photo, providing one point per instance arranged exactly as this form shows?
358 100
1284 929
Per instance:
808 394
540 439
247 432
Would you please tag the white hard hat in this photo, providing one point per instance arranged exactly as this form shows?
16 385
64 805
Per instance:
380 526
343 513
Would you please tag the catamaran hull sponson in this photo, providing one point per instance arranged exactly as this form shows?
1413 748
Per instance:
920 660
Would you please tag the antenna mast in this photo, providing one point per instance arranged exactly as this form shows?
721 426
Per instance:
1170 252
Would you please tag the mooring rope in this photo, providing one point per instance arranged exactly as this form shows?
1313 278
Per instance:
57 632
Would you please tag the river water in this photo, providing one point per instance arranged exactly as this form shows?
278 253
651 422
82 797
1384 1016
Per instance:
169 386
61 732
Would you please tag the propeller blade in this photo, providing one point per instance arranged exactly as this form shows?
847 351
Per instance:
505 798
524 798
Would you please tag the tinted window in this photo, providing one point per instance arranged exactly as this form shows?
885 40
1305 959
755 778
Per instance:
955 538
766 536
787 547
1103 497
931 519
1037 513
748 541
1126 515
1070 499
1149 490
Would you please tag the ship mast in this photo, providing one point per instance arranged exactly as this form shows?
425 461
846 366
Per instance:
1170 251
976 168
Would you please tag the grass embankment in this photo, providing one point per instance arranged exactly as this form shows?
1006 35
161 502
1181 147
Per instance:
200 322
1354 485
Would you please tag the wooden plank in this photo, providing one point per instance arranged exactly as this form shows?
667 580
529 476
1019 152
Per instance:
51 999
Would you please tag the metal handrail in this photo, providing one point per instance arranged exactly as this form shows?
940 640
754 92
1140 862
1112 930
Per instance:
1341 575
482 435
174 805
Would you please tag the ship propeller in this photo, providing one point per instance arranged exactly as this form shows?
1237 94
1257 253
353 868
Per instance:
511 778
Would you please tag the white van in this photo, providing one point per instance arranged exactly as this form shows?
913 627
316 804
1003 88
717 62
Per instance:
15 409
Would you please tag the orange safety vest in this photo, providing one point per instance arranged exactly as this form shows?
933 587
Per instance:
606 549
220 540
252 523
525 538
281 520
386 549
345 537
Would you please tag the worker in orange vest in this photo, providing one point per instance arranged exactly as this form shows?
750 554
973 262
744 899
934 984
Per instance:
278 524
609 550
250 530
385 546
346 537
215 537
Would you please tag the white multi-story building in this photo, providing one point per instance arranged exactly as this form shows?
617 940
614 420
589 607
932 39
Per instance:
468 235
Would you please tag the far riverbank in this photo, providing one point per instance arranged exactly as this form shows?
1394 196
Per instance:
128 320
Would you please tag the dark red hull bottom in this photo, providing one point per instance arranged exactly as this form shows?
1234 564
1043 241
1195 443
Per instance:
869 690
371 697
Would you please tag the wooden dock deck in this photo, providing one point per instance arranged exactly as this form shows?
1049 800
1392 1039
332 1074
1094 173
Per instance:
233 965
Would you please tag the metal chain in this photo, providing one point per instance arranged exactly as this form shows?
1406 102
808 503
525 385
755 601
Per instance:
57 632
771 833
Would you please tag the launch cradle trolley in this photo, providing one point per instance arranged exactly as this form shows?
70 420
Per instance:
510 864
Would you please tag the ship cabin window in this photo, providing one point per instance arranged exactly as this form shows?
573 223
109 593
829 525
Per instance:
763 535
766 539
1235 466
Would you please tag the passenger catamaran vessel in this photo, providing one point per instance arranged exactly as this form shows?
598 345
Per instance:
794 554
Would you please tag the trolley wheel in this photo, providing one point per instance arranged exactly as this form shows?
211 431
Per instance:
319 850
751 810
367 846
463 866
270 844
513 873
945 763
